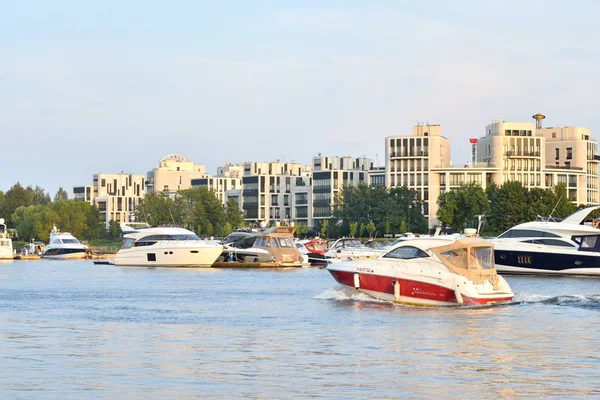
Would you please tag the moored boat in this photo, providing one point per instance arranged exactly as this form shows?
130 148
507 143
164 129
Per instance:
429 272
64 246
279 241
351 249
548 246
166 247
6 247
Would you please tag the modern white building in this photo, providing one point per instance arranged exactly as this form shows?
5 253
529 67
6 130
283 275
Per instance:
508 151
174 172
330 175
115 195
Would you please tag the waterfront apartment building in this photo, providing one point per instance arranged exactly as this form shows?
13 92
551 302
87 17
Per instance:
218 184
83 193
268 190
330 175
509 151
174 172
410 160
115 195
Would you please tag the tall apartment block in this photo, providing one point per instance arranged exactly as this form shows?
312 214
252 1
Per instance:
330 175
115 195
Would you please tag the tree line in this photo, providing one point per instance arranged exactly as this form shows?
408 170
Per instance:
502 207
364 210
198 210
32 213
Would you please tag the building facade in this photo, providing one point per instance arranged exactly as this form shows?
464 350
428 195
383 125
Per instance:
330 175
115 195
174 172
508 151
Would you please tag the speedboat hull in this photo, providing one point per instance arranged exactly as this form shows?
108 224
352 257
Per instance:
429 288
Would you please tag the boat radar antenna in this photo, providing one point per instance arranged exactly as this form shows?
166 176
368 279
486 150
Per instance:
172 219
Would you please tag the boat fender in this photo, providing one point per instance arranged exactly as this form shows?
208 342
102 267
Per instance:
230 256
356 281
396 286
458 295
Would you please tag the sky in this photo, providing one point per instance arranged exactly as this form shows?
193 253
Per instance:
111 86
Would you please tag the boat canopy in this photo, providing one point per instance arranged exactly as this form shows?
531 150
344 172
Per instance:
472 258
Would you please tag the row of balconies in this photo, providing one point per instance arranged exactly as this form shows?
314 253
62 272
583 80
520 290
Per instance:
522 154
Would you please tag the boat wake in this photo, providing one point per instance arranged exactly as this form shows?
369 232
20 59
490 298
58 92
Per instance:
343 293
590 302
580 301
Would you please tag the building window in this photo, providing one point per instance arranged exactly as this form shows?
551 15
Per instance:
557 154
553 135
569 153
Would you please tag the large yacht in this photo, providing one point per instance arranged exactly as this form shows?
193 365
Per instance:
63 245
551 247
166 247
6 247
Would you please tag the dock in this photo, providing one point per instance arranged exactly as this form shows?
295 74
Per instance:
219 264
27 257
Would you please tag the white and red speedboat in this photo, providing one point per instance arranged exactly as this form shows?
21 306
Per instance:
429 272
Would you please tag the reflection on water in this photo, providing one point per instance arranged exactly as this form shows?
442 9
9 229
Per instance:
74 329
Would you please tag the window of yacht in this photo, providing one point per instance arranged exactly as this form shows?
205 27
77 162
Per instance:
274 242
285 242
70 241
516 233
406 253
127 243
586 243
549 242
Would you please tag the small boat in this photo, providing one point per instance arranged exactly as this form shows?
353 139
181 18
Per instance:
429 272
547 246
63 246
166 247
314 249
237 247
6 247
279 241
351 249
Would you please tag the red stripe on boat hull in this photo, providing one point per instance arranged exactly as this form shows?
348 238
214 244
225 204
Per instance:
411 289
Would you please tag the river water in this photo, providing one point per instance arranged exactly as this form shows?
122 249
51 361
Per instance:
72 329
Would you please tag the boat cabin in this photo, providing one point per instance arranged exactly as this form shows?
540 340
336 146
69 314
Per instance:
279 241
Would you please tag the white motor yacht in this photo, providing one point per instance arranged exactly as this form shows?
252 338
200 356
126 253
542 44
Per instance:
351 249
166 247
63 245
6 247
551 247
429 272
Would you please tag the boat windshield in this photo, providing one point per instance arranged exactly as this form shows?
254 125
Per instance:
285 242
474 260
70 241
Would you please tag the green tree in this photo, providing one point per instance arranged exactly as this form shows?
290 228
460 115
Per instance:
363 229
371 228
114 230
14 198
301 230
459 207
235 216
353 228
388 227
61 194
324 231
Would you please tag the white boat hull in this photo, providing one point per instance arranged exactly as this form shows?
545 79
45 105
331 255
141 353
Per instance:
169 254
